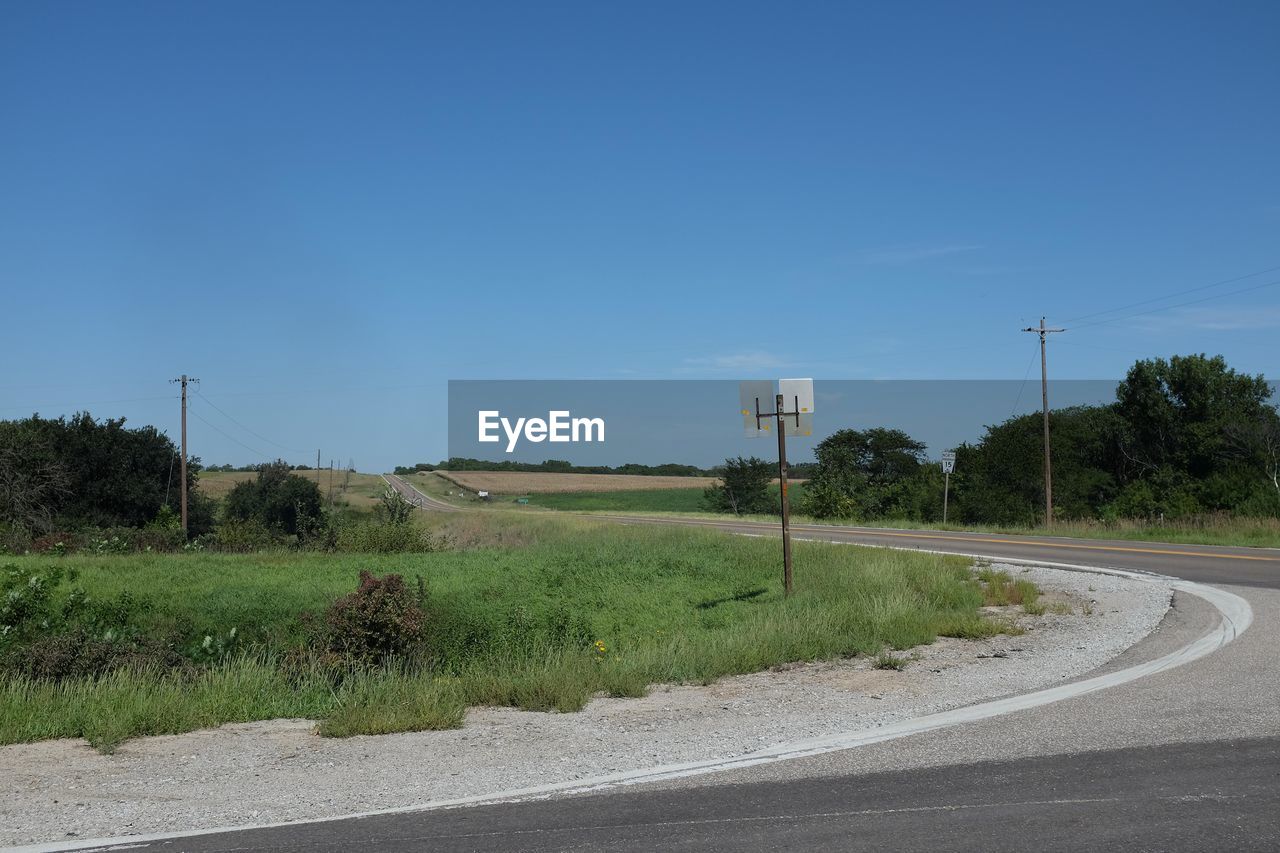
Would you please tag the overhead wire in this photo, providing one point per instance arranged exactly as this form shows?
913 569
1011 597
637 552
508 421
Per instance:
259 436
1176 305
1026 374
225 434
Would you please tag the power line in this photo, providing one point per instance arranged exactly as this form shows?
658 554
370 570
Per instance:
245 428
1025 375
1172 295
228 436
1179 305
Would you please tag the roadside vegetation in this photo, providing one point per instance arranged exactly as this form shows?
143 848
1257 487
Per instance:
531 611
649 500
1189 452
1186 438
348 488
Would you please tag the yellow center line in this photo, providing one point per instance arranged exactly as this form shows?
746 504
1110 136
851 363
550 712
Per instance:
942 537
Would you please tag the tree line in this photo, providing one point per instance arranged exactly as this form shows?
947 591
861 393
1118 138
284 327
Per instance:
77 470
1185 436
557 466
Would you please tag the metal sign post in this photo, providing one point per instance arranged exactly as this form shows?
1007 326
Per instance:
786 504
948 465
798 421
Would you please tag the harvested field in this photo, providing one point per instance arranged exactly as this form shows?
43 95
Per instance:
362 489
525 483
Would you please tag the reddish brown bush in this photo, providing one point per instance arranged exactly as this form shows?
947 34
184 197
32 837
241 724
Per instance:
380 620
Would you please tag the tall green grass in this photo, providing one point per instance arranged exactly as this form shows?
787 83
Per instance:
641 500
582 608
1199 530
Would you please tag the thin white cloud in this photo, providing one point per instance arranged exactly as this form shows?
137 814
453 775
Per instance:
735 361
763 364
1216 319
898 255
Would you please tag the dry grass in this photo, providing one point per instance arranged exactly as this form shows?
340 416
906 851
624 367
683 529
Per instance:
362 490
524 483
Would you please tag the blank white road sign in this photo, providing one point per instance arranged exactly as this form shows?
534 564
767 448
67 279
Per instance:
797 395
759 392
803 427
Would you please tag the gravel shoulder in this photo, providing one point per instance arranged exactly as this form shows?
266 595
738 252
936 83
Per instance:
279 770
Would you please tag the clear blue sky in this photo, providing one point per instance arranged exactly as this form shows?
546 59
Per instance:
325 210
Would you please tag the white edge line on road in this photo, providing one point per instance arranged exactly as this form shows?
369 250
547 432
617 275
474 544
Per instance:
1236 613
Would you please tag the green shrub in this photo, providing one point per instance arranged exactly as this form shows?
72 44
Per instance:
82 654
743 488
26 602
393 508
236 536
366 537
382 619
278 499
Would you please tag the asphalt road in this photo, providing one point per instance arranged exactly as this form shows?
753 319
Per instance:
419 499
1185 760
1137 799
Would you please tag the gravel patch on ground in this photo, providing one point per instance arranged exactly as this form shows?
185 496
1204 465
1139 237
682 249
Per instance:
279 770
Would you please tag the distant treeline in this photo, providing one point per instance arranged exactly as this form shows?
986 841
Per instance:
1185 437
260 466
561 466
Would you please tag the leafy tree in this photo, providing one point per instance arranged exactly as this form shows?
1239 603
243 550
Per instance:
1001 479
278 499
1256 445
743 488
79 470
32 485
875 473
1195 435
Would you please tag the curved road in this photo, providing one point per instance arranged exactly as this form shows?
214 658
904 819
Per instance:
419 499
1187 759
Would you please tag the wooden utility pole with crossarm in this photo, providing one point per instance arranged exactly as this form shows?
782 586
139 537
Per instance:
1044 400
184 379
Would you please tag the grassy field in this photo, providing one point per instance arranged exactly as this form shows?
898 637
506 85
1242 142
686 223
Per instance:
534 482
433 484
648 500
362 490
1211 530
528 610
643 500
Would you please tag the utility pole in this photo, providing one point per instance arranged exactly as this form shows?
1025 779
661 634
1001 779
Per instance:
184 379
1044 399
317 469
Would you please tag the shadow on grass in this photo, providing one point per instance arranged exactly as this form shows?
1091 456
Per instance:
742 596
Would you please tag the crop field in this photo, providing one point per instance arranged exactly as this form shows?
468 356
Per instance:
527 483
528 610
362 489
